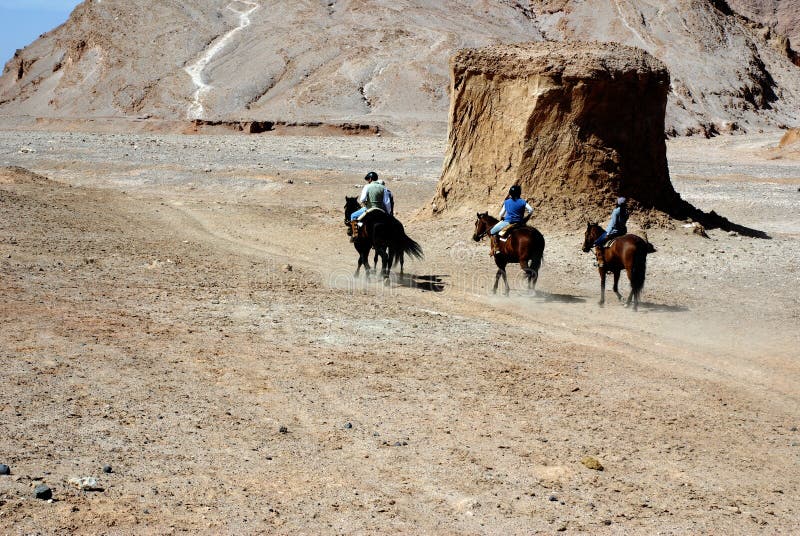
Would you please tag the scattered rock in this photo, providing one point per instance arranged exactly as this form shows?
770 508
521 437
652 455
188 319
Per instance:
283 430
107 469
86 483
4 469
700 230
552 498
348 426
287 268
43 492
592 463
289 181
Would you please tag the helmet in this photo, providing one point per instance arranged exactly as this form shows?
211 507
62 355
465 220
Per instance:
371 176
621 200
515 191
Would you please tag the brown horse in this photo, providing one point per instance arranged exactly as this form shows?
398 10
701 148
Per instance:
629 253
525 245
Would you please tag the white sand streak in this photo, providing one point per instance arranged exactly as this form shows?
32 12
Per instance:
195 70
628 26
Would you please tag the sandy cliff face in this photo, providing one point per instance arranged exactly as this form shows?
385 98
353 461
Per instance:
373 61
574 124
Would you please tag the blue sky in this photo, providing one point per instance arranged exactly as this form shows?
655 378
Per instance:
22 21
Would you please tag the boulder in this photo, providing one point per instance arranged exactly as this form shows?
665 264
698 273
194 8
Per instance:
575 124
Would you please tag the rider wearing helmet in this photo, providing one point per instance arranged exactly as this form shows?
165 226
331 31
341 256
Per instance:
618 224
371 196
388 198
515 210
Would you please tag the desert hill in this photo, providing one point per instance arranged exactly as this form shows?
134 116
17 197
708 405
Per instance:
382 62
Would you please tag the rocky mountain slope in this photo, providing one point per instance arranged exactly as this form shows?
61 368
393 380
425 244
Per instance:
781 15
379 62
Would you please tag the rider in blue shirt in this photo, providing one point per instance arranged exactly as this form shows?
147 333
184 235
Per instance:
618 224
515 210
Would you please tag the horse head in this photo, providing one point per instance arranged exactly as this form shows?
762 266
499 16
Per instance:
593 231
350 206
482 226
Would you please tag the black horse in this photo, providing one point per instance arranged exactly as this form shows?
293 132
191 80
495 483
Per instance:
383 233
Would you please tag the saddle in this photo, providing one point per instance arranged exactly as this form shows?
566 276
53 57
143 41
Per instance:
609 243
373 209
506 230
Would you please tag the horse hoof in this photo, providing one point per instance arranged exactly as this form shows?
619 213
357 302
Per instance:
601 304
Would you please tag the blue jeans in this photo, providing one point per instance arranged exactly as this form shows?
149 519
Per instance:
355 215
605 236
499 227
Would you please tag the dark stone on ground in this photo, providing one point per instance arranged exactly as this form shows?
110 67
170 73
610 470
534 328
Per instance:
107 469
283 430
4 469
43 492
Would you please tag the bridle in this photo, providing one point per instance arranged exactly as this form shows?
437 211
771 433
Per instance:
480 236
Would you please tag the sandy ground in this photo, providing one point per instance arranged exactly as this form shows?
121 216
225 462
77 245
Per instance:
150 321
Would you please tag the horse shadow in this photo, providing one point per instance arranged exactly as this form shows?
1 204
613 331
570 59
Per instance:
663 308
552 297
426 283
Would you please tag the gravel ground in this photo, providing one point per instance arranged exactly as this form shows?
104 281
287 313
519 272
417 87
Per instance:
183 309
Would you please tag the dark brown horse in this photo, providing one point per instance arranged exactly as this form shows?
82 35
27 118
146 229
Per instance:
629 253
525 245
383 233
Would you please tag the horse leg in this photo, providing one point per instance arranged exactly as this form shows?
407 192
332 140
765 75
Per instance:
616 285
534 278
505 281
632 296
528 272
602 286
385 265
496 280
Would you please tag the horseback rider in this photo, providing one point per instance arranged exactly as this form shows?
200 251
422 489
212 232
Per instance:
388 198
514 210
616 227
372 196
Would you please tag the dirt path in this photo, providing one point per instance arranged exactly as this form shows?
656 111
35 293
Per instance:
150 322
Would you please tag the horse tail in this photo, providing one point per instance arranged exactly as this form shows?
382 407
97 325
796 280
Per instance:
639 268
406 246
537 251
650 247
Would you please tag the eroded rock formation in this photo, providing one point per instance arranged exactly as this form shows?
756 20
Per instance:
575 124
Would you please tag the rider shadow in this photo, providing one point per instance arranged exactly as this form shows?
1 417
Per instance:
427 283
663 308
550 297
